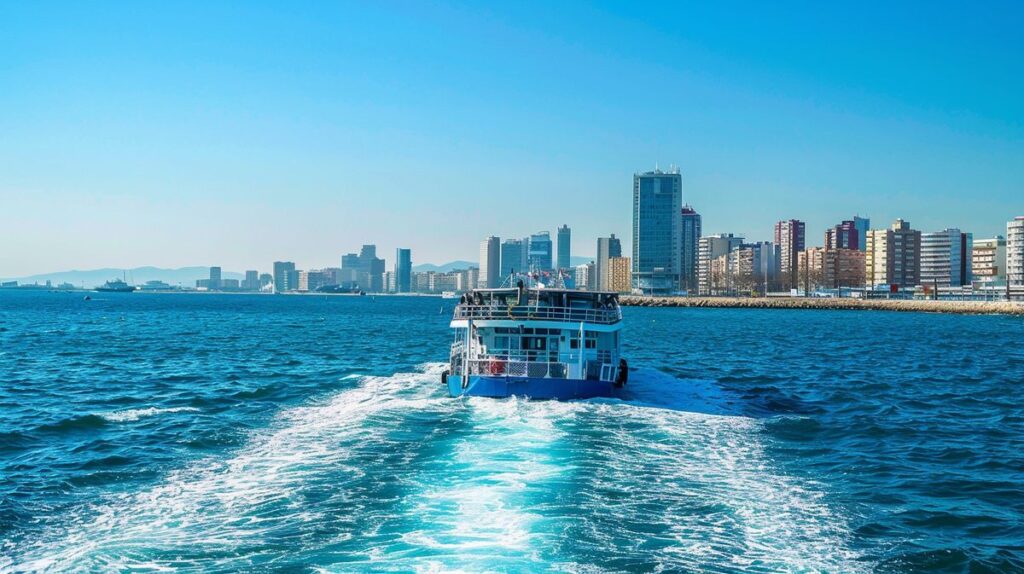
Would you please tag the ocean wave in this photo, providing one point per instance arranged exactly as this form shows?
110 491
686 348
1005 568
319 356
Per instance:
224 504
132 415
391 475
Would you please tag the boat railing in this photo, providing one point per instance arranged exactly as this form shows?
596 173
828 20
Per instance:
506 367
516 368
539 313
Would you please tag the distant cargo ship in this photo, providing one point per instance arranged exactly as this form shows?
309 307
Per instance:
116 286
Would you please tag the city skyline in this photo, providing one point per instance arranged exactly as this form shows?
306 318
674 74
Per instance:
162 136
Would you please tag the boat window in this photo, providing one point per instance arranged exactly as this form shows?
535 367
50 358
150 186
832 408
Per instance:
501 342
591 343
535 343
574 343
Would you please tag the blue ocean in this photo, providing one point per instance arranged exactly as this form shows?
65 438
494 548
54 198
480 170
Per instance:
226 433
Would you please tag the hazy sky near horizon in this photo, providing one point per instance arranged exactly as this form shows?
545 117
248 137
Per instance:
236 134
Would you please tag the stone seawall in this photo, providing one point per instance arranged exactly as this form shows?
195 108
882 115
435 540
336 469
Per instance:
915 306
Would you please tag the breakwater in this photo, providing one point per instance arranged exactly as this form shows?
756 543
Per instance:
904 305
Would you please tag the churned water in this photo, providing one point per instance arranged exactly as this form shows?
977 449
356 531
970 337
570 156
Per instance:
217 433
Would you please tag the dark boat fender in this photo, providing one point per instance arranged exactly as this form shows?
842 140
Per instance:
444 377
623 377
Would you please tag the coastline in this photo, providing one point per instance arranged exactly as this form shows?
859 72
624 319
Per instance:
844 304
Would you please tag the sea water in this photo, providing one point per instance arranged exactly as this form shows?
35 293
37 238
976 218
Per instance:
221 433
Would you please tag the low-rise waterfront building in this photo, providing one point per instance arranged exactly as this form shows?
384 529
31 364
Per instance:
988 261
584 276
821 267
708 249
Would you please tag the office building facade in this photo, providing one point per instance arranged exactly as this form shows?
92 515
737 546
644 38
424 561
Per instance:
564 259
252 280
607 247
490 263
657 230
1015 252
789 236
285 278
402 280
690 230
540 252
371 270
513 257
946 258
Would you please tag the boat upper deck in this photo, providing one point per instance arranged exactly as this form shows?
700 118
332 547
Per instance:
521 304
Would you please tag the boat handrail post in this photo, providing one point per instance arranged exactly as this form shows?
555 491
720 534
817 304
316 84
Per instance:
465 363
582 345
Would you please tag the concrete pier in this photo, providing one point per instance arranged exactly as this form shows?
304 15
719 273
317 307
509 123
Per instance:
904 305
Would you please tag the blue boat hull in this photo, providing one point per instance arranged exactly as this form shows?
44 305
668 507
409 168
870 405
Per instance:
500 387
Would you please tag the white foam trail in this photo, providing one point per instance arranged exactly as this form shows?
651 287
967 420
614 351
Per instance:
476 508
215 506
132 415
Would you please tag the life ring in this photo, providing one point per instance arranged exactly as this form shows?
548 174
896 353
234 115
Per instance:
496 367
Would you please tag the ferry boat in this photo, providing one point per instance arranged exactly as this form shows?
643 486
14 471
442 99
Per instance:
539 343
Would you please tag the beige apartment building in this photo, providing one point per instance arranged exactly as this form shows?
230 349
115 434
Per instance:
821 267
893 256
619 272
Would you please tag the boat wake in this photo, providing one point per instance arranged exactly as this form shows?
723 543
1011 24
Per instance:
391 475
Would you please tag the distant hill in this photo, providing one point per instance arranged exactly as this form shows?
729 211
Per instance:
450 266
186 276
580 260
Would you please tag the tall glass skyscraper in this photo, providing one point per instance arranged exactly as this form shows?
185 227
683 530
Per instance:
657 231
540 251
564 247
403 270
513 253
690 235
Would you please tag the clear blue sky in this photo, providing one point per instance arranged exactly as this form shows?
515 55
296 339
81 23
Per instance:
235 134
